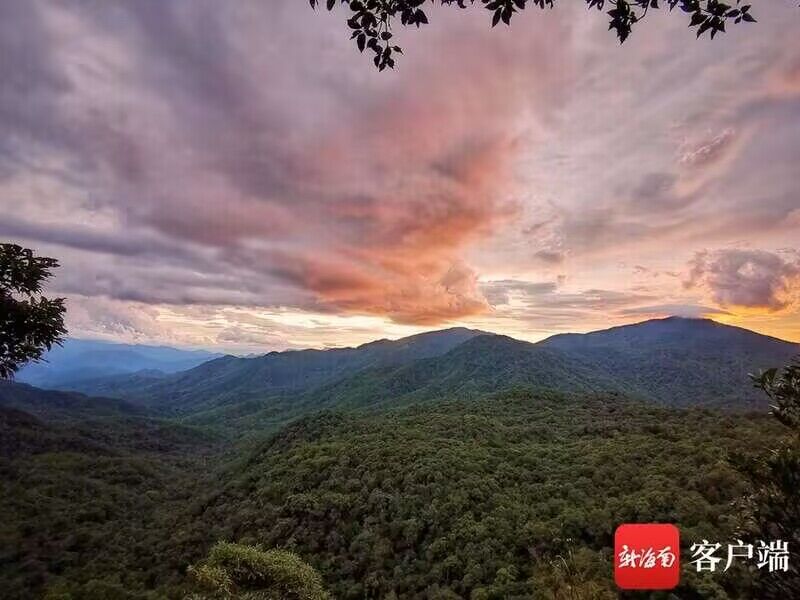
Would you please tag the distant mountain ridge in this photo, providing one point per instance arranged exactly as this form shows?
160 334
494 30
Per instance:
232 379
681 361
673 361
80 360
54 405
481 365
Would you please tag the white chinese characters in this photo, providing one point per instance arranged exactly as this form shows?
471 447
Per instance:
773 555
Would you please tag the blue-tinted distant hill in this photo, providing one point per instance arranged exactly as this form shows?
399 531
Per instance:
79 360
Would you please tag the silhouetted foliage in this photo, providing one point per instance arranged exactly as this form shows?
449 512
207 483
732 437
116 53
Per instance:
29 323
371 21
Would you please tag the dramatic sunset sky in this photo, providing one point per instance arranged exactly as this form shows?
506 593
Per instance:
235 175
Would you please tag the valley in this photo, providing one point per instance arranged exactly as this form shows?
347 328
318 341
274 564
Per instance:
453 464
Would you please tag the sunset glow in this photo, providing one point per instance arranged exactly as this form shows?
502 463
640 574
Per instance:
207 180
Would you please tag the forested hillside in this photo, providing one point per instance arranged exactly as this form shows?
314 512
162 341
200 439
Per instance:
454 464
512 496
89 507
52 405
484 499
299 299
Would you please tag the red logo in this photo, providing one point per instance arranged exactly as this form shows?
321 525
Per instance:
647 556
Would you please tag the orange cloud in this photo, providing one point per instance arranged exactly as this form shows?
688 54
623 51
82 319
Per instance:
426 170
266 181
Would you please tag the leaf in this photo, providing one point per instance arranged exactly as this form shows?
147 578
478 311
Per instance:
496 18
697 18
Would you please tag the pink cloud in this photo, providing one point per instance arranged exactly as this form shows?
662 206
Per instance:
746 278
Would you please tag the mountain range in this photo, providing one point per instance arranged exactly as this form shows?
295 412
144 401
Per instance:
674 361
450 464
234 380
77 360
60 406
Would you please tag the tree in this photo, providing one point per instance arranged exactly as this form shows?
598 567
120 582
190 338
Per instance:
371 21
238 571
775 506
30 324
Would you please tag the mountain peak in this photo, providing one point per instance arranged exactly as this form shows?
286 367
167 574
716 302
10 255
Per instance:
449 333
680 330
680 318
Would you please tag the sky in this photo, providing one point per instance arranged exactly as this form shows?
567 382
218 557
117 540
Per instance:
236 176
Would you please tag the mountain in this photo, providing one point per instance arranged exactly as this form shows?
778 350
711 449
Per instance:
231 379
481 365
485 492
680 361
58 406
77 360
674 361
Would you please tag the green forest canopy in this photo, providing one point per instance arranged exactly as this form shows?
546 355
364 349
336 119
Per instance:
515 495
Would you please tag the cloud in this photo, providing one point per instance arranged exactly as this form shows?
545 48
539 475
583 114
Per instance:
499 292
689 311
746 278
223 328
784 76
109 319
280 185
546 306
550 257
135 243
182 156
703 152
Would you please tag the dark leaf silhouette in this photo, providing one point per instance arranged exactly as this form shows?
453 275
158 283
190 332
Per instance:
373 19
